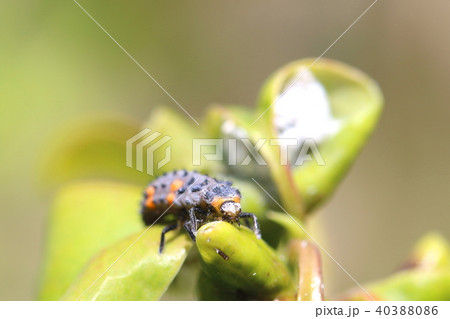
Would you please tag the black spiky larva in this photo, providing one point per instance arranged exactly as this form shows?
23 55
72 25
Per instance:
191 199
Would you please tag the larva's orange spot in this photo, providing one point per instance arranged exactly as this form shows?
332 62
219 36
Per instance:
170 198
218 201
176 184
150 191
149 203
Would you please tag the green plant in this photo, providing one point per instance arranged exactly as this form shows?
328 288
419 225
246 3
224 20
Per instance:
98 249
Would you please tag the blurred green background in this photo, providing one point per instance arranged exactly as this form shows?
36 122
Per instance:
58 67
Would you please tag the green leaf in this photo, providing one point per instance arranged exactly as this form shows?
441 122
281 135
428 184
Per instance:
135 268
86 218
432 252
329 102
294 228
425 276
90 147
182 132
233 258
409 285
413 286
184 285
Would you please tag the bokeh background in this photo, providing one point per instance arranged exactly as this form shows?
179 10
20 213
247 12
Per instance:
59 67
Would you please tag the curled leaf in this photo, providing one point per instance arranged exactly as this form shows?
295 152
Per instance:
329 109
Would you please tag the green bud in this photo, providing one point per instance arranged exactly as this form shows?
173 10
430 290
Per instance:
234 258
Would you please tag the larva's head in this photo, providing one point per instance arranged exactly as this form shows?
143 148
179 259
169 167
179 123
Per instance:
230 209
224 200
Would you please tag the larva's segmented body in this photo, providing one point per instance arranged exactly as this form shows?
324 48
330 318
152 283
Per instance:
191 199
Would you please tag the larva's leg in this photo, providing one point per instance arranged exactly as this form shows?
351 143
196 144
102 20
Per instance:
164 231
188 227
192 225
193 220
256 229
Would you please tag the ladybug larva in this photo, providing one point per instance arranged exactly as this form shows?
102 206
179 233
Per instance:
191 199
